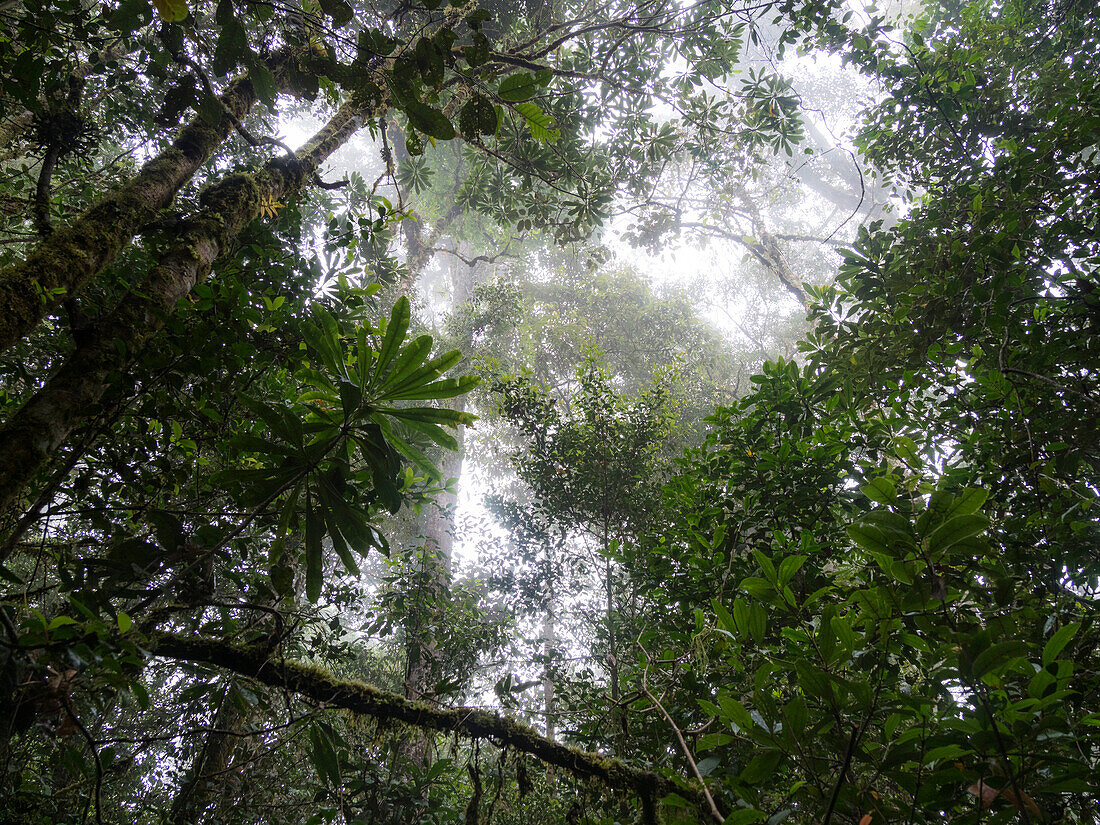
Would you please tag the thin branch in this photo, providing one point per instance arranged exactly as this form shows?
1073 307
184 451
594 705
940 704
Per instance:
98 797
714 812
840 777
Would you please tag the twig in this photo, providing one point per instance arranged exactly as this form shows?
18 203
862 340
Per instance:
714 812
98 763
840 777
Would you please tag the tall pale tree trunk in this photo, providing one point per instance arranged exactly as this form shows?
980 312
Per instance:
437 528
549 648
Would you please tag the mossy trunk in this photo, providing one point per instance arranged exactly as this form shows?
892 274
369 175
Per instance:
35 432
69 258
364 699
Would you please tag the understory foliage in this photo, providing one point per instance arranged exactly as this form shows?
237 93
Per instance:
865 592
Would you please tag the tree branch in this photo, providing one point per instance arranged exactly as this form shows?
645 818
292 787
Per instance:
65 261
367 700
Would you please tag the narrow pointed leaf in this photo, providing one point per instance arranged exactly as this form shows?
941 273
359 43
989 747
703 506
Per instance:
395 333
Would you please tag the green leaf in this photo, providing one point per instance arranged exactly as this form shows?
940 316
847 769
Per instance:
758 623
895 524
372 41
997 656
477 53
757 587
745 816
263 82
870 537
761 767
706 766
395 333
741 616
788 567
340 545
174 11
324 756
478 117
725 620
412 356
445 388
340 11
124 622
429 59
813 681
1058 641
966 502
881 490
282 423
733 711
323 339
540 124
431 122
944 752
232 49
957 529
435 433
433 415
518 86
404 380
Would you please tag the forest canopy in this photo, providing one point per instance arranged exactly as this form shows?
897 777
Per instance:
369 453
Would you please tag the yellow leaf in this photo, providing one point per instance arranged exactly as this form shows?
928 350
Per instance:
269 207
173 11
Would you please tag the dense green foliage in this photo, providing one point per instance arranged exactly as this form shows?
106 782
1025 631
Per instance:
864 591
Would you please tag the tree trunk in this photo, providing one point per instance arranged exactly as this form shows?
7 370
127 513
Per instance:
62 264
34 433
437 528
549 641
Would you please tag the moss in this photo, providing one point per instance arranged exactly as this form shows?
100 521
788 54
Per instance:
237 193
360 697
61 265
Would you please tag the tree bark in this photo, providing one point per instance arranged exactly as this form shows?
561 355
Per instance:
438 525
549 642
34 433
360 698
62 264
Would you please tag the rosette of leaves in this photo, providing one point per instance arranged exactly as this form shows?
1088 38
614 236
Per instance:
339 450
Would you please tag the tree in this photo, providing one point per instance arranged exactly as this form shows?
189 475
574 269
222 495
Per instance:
187 467
871 596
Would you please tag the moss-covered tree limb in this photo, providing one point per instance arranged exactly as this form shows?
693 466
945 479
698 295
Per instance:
361 698
63 263
68 398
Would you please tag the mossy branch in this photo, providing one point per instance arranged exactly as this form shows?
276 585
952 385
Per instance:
361 698
68 398
63 263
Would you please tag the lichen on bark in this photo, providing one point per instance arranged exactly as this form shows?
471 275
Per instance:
35 431
359 697
62 264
